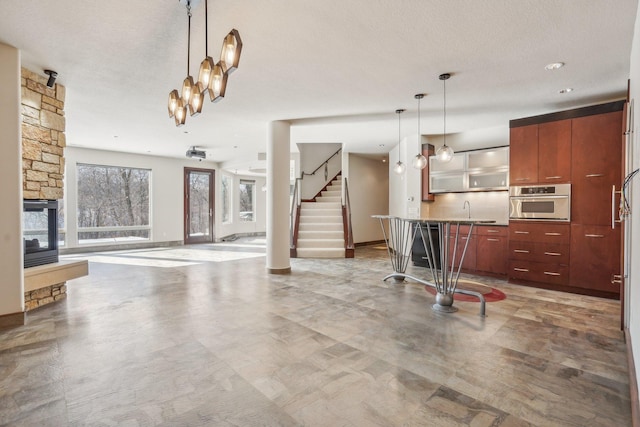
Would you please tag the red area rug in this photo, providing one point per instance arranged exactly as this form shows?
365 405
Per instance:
490 294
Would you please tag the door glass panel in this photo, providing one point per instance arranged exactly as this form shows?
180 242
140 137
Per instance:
199 204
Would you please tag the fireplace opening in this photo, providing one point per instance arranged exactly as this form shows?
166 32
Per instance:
40 232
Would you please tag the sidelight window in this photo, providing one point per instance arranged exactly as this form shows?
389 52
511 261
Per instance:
247 200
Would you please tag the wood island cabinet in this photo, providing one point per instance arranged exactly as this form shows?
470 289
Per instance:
427 150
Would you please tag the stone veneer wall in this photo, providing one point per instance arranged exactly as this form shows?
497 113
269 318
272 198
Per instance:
43 142
43 137
44 296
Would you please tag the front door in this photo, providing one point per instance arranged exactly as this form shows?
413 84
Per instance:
198 205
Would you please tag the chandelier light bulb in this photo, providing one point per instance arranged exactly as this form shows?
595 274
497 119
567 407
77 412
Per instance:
399 168
173 102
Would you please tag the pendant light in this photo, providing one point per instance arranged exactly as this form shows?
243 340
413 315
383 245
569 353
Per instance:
419 161
399 167
444 153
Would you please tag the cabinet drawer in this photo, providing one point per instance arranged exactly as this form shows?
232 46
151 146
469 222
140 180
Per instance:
539 252
539 232
495 231
542 272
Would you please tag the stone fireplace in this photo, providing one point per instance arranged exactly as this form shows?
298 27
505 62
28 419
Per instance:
40 232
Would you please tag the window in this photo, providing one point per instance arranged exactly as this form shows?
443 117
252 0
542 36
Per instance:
226 199
247 199
113 204
62 229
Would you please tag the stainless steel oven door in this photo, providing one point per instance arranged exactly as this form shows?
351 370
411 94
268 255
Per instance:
549 208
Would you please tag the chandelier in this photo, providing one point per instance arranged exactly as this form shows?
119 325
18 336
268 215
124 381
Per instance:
444 153
399 167
212 77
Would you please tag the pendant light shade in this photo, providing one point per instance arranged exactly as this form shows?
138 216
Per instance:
231 48
173 102
445 153
399 167
212 77
419 161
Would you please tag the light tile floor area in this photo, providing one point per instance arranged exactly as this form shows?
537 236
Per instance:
202 336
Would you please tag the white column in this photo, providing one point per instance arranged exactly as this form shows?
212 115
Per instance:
11 261
278 198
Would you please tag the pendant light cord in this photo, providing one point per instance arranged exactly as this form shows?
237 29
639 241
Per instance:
206 28
444 134
188 36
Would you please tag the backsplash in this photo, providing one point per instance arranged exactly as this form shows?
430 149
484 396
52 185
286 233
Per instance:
493 205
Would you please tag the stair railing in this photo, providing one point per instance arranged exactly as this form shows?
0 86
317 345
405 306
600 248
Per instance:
296 201
348 226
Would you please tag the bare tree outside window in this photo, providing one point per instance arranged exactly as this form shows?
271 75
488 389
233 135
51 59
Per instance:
113 203
226 199
247 200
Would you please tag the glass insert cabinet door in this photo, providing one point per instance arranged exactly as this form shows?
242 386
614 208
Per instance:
198 205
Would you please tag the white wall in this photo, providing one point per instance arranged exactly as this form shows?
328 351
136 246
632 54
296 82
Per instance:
368 181
633 281
11 261
167 193
312 156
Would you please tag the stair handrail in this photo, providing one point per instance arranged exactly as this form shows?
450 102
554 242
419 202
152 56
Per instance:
325 164
347 205
293 214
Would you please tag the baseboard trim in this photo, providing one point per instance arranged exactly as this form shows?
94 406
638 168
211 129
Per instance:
119 247
13 319
373 242
633 382
279 270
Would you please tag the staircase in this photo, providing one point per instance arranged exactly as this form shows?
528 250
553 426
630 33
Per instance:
321 232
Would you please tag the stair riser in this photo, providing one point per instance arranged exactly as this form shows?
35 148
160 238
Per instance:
321 234
321 227
321 253
317 244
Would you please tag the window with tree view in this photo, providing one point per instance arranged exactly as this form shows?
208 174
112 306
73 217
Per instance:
247 200
226 199
113 204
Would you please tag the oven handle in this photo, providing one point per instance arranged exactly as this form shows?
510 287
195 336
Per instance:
537 196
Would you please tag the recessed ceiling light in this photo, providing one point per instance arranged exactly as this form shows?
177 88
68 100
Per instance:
554 66
566 90
186 131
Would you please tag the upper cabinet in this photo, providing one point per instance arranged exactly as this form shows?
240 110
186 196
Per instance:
477 170
541 153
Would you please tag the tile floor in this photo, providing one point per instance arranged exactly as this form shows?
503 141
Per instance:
202 336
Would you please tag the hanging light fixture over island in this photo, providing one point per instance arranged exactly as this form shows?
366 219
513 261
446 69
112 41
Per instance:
444 153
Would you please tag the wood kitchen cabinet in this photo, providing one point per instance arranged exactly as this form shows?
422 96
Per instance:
596 158
554 152
492 249
523 155
539 252
469 262
595 258
427 150
541 153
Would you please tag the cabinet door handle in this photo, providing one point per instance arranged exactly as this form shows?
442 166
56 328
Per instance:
521 232
616 278
521 251
524 270
594 235
493 240
594 175
552 177
551 273
522 179
553 234
493 231
552 253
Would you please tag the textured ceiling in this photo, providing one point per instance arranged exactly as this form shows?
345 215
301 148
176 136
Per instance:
336 69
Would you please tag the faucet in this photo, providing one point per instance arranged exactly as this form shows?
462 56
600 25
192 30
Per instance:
467 204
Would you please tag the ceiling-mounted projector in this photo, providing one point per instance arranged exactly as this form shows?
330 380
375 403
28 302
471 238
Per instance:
198 154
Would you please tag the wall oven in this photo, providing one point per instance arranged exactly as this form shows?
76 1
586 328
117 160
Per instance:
540 202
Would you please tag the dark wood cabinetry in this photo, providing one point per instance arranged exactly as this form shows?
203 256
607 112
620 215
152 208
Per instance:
595 258
523 155
541 153
457 247
427 150
582 147
596 159
492 249
554 152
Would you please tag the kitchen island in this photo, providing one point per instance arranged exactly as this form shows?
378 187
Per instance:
435 233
